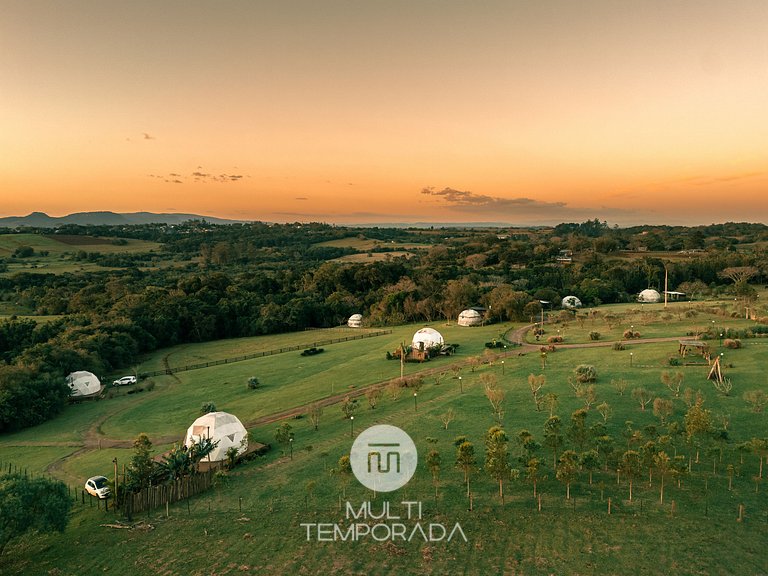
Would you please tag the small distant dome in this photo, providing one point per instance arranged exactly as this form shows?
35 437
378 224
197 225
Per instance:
221 427
649 295
470 317
427 338
355 321
571 302
82 383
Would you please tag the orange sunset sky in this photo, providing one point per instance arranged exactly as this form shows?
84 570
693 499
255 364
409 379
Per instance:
526 112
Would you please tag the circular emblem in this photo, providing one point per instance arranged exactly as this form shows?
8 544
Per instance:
383 458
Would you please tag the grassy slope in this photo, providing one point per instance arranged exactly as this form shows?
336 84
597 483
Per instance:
266 537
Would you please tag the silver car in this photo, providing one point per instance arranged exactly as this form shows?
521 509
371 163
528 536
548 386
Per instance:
124 381
97 486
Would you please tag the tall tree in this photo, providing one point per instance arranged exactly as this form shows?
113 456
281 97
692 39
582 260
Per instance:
553 436
497 456
567 470
630 466
466 461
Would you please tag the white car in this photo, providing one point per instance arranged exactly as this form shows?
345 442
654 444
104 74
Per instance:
124 381
97 486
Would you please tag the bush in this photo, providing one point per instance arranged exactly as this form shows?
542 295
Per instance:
631 334
732 343
253 383
494 344
312 351
674 361
149 386
554 339
585 373
618 346
594 335
207 407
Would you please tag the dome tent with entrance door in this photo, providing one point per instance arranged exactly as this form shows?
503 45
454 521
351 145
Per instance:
427 338
82 383
222 428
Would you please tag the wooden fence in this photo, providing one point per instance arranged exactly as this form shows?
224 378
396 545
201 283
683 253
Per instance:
165 494
315 344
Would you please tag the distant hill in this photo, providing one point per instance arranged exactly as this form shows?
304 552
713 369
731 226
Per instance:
42 220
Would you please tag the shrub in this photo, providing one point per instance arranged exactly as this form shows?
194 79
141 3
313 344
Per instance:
594 335
207 407
732 343
554 339
149 386
585 373
618 346
631 334
674 361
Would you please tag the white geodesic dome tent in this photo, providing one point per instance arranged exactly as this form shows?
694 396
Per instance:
82 383
649 295
355 321
470 317
571 302
221 427
427 338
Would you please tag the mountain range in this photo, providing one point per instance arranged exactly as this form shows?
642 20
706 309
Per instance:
104 218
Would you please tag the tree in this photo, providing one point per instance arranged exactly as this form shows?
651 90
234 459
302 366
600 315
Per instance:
373 395
590 461
620 385
550 400
536 383
533 472
588 395
207 408
141 467
497 456
283 435
630 465
495 396
553 437
698 424
344 472
349 407
604 410
465 460
26 504
663 465
673 381
433 463
663 409
447 417
642 396
584 373
604 448
578 432
567 470
314 413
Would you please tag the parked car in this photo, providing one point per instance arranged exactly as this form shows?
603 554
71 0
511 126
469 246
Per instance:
97 486
124 381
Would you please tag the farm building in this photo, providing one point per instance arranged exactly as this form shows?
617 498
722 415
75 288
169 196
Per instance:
571 302
427 338
470 317
355 321
82 383
220 427
649 296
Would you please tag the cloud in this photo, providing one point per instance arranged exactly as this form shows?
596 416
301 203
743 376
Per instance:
148 136
525 211
301 198
199 176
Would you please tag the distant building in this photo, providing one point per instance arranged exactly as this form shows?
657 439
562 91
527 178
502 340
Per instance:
82 383
571 302
649 296
355 321
470 317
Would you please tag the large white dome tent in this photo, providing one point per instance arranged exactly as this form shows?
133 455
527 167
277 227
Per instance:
571 302
83 383
470 317
221 427
649 296
427 338
355 321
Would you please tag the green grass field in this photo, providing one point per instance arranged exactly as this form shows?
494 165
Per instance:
250 523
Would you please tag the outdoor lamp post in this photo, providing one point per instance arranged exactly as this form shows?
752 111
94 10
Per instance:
415 403
721 338
461 386
351 426
502 367
631 354
290 443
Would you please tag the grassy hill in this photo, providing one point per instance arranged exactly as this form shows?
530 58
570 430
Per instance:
251 522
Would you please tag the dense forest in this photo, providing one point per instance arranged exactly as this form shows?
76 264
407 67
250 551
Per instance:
212 282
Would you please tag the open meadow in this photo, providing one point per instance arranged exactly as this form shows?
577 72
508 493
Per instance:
251 521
